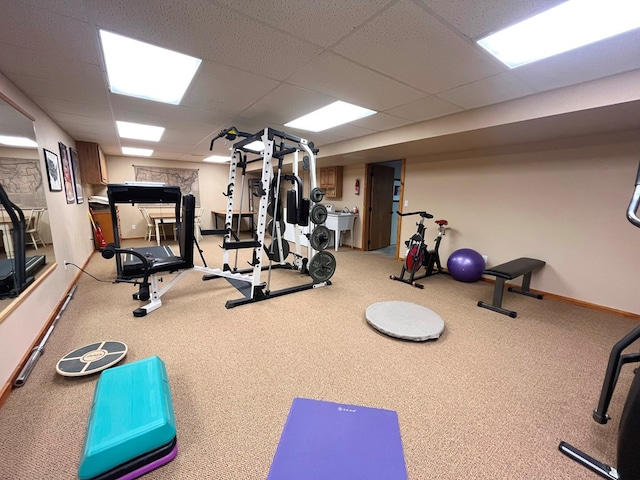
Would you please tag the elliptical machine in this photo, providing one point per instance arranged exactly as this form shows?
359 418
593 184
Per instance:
629 430
418 254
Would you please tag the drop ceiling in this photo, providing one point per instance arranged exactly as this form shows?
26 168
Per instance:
267 62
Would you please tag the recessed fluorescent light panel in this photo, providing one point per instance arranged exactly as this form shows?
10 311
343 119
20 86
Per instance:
569 25
142 70
139 131
138 152
217 159
332 115
17 141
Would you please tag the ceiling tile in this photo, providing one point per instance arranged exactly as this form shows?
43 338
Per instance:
69 8
424 109
48 33
347 81
207 31
347 130
225 90
321 22
266 63
132 109
15 60
76 90
598 60
380 122
476 19
422 53
188 135
496 89
103 133
54 105
286 103
87 121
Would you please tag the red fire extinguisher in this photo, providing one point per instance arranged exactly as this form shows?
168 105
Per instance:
357 187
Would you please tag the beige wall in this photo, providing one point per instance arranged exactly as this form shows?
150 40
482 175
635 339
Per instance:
562 202
72 241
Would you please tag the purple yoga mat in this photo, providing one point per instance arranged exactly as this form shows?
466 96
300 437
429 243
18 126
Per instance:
325 440
151 466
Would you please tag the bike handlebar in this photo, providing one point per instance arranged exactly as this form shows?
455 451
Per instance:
422 213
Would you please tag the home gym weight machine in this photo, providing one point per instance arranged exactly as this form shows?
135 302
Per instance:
418 255
319 264
628 463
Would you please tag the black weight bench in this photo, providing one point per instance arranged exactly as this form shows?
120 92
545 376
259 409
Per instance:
508 271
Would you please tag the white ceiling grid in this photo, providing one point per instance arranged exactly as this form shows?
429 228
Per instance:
268 62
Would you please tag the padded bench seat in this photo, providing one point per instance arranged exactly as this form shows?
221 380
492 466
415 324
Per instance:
523 266
131 428
161 259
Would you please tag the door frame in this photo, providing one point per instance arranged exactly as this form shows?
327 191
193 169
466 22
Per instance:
367 203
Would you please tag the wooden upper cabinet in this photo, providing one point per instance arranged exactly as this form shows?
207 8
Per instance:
331 181
93 164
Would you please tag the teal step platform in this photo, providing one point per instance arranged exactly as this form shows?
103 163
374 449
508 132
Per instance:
131 420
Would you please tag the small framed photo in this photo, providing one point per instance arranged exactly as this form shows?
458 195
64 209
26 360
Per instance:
396 190
54 173
75 169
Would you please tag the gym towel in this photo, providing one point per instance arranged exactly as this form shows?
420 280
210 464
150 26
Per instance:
325 440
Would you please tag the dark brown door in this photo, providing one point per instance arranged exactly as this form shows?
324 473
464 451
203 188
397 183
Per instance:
380 205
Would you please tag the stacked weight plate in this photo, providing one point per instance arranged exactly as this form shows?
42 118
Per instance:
322 265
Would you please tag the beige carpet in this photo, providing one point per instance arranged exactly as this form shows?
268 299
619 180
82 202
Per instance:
490 399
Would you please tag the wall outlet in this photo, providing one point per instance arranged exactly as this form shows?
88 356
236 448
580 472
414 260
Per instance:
65 264
486 259
133 227
406 203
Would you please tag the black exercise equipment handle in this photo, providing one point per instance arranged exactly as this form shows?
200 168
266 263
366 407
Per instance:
230 133
422 213
616 361
632 214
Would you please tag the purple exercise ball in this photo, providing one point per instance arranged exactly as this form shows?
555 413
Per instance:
466 265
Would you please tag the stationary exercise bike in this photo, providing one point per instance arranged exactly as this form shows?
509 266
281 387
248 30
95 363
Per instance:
417 252
629 429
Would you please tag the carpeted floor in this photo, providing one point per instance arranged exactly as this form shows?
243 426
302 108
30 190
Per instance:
490 399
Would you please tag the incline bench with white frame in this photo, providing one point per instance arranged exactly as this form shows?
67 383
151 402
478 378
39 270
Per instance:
508 271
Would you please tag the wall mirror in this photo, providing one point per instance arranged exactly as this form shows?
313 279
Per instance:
24 182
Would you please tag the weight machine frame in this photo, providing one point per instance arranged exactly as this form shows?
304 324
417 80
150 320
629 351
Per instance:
272 156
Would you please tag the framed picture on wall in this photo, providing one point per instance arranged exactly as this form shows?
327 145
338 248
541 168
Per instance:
54 173
75 170
67 175
396 190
